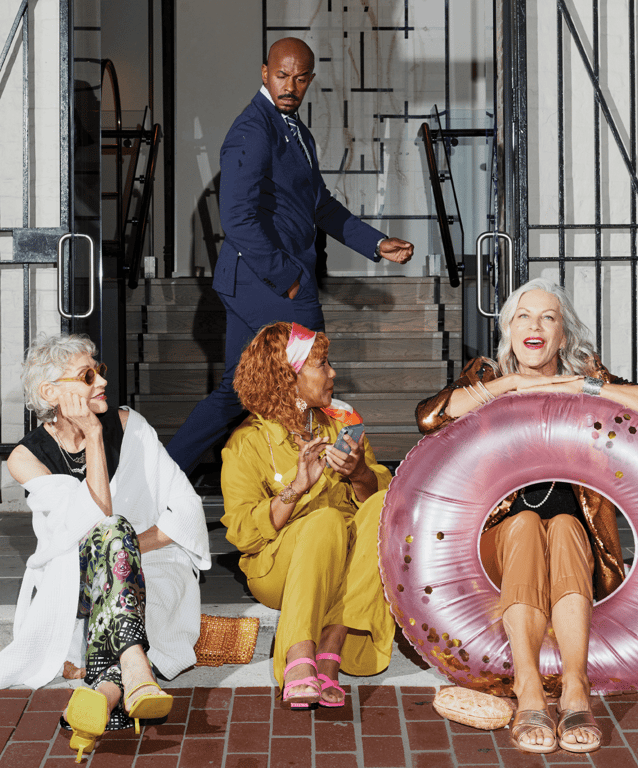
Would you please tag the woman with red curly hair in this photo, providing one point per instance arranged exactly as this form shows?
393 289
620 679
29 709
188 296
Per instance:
303 514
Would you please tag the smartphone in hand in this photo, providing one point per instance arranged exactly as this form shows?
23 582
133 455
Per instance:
354 431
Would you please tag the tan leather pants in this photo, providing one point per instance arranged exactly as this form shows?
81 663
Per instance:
536 562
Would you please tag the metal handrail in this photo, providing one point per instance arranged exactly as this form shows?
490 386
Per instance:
141 134
445 146
479 268
138 135
441 213
108 66
138 245
12 32
61 241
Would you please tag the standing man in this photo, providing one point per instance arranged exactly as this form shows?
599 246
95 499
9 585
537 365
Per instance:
272 199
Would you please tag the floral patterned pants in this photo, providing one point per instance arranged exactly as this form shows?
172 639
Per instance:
112 596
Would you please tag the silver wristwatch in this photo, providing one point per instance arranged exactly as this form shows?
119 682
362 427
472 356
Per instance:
377 251
592 386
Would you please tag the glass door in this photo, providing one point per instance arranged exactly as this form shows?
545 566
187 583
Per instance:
89 293
52 274
80 275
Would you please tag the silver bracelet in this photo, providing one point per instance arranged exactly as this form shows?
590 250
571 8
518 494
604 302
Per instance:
473 396
488 394
592 386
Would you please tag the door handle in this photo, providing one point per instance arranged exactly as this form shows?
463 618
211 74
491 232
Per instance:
479 267
61 241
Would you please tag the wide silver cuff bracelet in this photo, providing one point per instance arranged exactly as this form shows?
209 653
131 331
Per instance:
592 386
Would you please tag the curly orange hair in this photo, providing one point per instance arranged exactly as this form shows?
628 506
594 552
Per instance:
266 382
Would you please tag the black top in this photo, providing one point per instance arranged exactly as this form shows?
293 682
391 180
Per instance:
561 501
45 448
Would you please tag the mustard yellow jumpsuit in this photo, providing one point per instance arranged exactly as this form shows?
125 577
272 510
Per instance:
321 568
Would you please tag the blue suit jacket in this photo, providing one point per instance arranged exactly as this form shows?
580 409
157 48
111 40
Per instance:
271 202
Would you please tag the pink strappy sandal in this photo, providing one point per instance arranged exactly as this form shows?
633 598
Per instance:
304 700
328 683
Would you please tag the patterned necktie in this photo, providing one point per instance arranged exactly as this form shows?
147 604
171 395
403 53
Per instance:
294 127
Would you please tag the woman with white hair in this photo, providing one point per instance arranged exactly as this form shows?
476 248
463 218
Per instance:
121 539
549 547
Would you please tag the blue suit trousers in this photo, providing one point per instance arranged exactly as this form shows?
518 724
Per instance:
253 306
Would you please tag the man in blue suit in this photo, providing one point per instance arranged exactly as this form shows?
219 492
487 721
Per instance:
272 199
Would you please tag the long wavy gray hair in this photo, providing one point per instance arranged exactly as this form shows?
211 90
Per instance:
46 360
576 356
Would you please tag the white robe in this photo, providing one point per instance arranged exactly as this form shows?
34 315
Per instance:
147 489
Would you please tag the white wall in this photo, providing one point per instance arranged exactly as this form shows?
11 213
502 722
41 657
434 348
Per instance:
214 84
218 52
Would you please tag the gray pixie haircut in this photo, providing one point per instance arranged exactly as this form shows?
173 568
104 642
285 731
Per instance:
46 360
576 356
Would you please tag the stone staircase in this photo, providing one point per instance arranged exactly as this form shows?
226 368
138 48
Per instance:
394 340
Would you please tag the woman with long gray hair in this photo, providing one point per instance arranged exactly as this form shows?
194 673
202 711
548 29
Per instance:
550 547
121 538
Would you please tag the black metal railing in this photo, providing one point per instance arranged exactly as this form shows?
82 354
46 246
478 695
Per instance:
441 212
567 31
130 227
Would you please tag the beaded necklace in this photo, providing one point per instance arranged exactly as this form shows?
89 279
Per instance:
81 460
536 506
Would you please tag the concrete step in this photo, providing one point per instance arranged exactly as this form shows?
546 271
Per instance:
340 318
393 446
176 319
427 318
200 378
183 348
178 291
370 291
377 409
387 446
393 341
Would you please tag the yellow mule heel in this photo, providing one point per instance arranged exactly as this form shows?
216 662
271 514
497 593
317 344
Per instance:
87 714
149 706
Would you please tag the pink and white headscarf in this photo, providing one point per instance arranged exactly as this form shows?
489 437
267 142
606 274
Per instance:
299 345
297 350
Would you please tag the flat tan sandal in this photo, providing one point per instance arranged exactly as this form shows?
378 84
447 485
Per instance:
568 719
528 720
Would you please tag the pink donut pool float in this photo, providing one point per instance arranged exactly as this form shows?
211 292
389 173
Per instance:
437 505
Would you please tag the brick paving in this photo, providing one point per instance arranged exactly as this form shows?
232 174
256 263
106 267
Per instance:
380 727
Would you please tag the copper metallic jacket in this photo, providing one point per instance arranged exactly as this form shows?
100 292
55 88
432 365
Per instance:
598 511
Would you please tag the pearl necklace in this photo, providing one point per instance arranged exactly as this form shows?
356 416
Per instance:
536 506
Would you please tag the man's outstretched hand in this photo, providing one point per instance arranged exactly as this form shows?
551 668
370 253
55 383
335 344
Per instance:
396 250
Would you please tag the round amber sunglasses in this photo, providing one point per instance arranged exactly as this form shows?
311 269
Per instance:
88 377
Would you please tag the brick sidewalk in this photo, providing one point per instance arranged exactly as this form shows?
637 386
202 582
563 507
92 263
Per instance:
380 727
